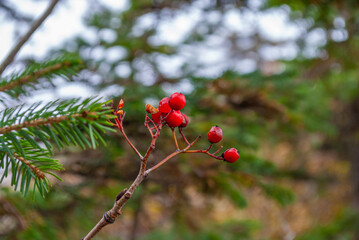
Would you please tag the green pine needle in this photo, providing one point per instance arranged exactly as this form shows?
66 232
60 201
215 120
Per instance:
28 133
22 83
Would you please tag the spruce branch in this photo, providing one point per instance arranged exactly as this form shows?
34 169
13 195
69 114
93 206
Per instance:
18 117
62 123
33 168
41 121
30 77
64 66
11 56
26 165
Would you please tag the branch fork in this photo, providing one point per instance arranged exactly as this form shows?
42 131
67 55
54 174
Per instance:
154 129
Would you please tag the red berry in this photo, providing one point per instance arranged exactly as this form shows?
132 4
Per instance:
215 134
156 117
177 101
163 105
231 155
174 119
185 121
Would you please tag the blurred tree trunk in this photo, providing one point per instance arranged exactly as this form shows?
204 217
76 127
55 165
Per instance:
353 149
348 122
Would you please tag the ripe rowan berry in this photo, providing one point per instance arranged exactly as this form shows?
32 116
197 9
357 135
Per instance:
177 101
215 134
156 117
185 121
231 155
174 119
163 105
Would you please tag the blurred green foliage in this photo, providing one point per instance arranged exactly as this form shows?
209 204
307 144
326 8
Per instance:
292 102
344 226
230 230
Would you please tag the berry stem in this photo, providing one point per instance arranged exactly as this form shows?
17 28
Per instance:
183 136
152 146
147 125
219 149
209 148
175 138
154 124
205 152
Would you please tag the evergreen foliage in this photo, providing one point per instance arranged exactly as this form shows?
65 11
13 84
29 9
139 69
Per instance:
36 75
28 133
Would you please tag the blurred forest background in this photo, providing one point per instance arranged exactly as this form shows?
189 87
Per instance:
288 100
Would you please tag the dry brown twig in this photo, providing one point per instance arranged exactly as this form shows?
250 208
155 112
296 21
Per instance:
110 216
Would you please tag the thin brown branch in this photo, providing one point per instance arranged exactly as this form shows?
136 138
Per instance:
119 124
39 122
30 77
154 124
163 161
111 215
209 148
33 168
219 149
11 56
130 143
171 156
183 136
147 119
151 147
205 152
149 130
192 143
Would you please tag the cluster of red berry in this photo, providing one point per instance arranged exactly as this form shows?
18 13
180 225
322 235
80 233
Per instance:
169 108
169 112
